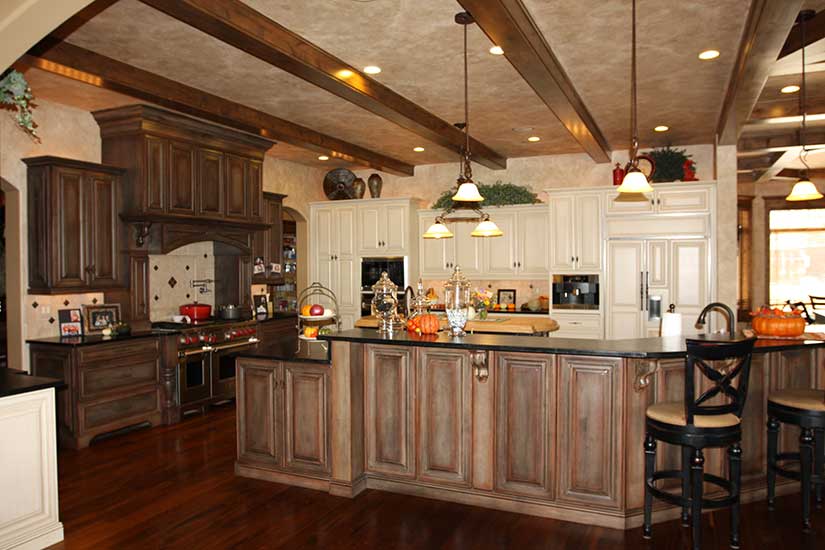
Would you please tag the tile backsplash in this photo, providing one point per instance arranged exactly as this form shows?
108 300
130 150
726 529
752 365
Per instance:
41 311
524 289
171 276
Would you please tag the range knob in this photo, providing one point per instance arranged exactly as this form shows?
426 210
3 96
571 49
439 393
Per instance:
183 340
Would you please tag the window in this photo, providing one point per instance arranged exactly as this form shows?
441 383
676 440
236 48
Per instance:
797 255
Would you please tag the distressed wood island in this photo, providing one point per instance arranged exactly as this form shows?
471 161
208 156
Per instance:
543 426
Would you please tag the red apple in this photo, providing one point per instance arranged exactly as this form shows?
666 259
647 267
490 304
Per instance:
316 310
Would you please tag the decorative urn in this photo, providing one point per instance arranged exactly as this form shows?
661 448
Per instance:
385 304
457 301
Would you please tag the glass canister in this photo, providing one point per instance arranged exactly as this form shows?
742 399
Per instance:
385 304
457 301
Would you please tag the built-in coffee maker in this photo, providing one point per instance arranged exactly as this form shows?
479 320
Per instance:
371 269
575 292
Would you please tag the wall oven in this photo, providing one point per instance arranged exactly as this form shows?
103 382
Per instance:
371 268
575 292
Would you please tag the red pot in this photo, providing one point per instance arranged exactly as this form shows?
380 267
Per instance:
196 312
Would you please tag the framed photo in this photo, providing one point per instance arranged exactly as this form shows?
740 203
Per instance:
100 316
506 296
274 268
260 267
71 322
260 300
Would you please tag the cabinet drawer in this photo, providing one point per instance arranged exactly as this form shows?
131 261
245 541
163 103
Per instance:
107 413
683 200
96 381
141 349
637 207
577 326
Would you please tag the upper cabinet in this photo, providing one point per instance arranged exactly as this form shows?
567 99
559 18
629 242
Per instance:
384 227
269 243
73 226
179 167
575 232
680 198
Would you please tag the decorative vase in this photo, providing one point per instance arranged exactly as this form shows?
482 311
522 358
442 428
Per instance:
482 314
375 183
359 188
618 174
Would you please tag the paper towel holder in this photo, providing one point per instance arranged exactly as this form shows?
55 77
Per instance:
671 308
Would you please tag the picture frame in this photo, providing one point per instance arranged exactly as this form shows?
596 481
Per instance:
506 296
100 316
259 268
274 268
70 322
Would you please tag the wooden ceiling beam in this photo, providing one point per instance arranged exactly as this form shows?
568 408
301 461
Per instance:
766 28
773 170
508 24
753 145
814 31
786 107
238 25
71 61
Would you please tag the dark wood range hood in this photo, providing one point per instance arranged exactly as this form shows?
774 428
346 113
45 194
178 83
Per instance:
186 181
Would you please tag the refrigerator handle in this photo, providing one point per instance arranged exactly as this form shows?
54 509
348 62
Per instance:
641 291
647 290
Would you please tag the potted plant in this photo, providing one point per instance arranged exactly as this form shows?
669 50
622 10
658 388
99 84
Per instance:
15 95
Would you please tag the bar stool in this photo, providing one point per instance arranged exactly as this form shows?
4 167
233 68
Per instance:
695 425
804 408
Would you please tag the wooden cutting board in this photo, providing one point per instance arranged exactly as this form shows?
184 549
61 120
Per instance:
497 325
805 336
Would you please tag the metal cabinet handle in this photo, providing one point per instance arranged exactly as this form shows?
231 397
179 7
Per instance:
652 201
577 259
519 264
641 291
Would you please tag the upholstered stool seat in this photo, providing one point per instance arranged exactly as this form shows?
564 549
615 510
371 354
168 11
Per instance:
809 400
673 412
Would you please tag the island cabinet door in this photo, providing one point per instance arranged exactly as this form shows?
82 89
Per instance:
389 411
306 391
444 416
525 424
795 369
590 430
260 412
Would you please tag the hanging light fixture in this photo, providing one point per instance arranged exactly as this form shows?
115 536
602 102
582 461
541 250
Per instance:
804 189
635 182
466 196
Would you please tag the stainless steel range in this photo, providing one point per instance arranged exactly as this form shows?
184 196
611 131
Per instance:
206 359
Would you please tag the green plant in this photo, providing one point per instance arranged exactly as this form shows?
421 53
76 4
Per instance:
497 194
670 164
15 95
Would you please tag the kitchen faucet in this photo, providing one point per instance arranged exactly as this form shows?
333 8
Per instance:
718 305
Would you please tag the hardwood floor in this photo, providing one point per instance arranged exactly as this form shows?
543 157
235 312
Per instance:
174 487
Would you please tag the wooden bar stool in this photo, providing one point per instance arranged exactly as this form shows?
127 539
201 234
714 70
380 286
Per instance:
804 408
694 425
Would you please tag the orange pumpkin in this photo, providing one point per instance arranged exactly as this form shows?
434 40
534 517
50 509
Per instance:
428 323
779 325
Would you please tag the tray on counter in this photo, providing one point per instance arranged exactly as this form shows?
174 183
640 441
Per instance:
805 336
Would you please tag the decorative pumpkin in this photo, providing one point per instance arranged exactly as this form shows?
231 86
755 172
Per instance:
428 323
775 322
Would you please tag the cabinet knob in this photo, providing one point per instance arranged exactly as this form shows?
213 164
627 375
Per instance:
519 264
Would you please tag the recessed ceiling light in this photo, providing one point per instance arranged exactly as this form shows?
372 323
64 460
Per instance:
496 50
344 73
418 149
793 88
372 69
534 139
661 128
709 54
323 157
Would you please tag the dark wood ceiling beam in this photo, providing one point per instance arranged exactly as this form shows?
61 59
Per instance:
752 145
814 31
766 28
760 162
786 107
80 64
237 24
508 24
795 173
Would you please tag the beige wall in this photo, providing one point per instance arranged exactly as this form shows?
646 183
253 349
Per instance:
726 226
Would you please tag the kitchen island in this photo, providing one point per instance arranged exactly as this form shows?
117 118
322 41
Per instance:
548 427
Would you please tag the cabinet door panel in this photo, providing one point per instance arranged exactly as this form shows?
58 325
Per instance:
71 229
211 179
181 178
624 277
683 200
306 395
139 288
533 243
464 250
562 256
255 189
260 424
370 227
236 194
657 263
500 254
433 252
588 232
590 429
345 231
102 225
397 222
689 276
524 421
389 406
156 173
347 285
445 416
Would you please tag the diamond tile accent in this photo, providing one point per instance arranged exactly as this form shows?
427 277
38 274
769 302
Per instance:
65 302
51 320
35 304
155 268
172 282
94 300
187 268
157 297
187 296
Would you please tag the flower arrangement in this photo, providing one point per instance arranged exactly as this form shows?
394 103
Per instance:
15 95
482 301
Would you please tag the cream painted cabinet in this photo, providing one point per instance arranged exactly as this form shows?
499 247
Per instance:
667 198
438 257
533 242
383 228
501 253
433 252
575 232
334 261
625 272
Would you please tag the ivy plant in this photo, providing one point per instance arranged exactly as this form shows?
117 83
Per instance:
670 164
15 95
497 194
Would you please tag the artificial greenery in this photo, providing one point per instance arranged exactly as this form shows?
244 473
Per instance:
497 194
670 164
15 95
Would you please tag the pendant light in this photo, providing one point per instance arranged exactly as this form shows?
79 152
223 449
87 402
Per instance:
804 189
634 182
467 196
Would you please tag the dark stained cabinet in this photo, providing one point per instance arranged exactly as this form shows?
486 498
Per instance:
73 215
236 192
154 193
254 189
182 181
269 243
211 188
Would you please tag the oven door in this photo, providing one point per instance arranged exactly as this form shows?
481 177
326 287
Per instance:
194 376
223 367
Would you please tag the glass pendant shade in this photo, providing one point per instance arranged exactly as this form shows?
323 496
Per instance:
486 228
438 231
804 190
467 192
634 182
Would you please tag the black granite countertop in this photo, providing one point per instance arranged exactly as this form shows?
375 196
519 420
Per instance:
288 351
641 348
14 382
93 339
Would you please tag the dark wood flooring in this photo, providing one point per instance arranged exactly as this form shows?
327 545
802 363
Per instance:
174 487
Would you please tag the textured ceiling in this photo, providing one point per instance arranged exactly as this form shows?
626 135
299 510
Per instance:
418 47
